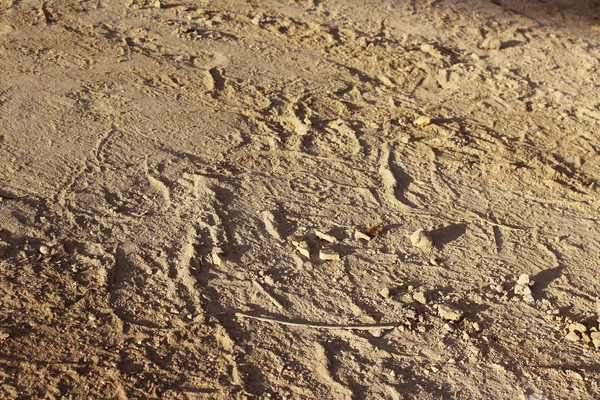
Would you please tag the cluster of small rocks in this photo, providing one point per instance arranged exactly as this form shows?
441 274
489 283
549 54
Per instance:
301 242
416 321
523 290
577 331
501 289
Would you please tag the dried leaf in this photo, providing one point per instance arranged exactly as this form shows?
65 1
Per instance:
374 231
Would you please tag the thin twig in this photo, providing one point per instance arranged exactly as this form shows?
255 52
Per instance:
317 326
267 295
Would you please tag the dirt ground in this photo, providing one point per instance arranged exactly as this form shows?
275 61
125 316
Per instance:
167 169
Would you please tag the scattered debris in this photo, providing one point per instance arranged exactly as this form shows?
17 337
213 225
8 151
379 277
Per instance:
421 239
422 121
449 313
329 255
317 326
522 288
326 237
298 243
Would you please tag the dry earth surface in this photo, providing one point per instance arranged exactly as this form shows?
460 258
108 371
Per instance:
158 157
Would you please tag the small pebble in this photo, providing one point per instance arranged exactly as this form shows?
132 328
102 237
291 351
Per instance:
528 298
256 20
268 280
422 121
420 297
426 48
421 239
491 43
523 280
448 313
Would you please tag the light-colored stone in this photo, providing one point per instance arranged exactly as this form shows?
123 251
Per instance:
421 239
295 240
449 313
367 319
329 255
303 249
523 280
491 43
572 336
575 375
577 327
528 298
44 250
217 256
420 297
586 338
326 237
359 235
422 121
426 48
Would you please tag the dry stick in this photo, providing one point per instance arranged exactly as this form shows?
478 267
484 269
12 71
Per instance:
267 295
330 327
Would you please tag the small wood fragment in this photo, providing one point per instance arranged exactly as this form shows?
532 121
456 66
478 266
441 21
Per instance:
303 249
326 237
359 235
328 255
267 295
295 240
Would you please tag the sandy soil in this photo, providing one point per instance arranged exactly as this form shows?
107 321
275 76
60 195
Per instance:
166 168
